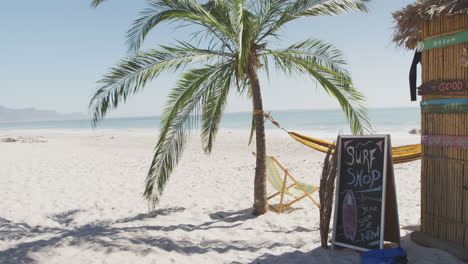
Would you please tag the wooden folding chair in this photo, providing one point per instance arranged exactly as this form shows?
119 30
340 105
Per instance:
297 189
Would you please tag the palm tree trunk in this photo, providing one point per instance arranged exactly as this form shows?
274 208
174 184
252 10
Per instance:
260 197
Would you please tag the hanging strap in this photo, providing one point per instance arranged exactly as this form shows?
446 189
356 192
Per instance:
413 74
269 118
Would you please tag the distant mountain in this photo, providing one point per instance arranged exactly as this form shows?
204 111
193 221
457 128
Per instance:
32 114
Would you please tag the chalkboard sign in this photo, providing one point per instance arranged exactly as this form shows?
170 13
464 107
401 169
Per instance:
363 166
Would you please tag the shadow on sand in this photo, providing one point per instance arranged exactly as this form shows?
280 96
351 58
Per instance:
317 255
416 254
109 237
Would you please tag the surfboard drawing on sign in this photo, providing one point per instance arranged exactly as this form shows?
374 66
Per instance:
350 215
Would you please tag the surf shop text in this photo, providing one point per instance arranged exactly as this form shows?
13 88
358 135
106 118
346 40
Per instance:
362 175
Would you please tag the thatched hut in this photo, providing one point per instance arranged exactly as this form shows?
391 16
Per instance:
439 30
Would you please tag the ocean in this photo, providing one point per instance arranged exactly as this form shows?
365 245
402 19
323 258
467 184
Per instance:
384 120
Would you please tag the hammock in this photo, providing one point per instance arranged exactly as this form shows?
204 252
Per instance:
400 154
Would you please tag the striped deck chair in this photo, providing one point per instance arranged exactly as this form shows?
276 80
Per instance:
298 190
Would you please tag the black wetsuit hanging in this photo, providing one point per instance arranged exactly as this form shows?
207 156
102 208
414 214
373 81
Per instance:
413 75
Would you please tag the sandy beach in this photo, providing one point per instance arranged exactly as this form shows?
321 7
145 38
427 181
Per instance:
76 197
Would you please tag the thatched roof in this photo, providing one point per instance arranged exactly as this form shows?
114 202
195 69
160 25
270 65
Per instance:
410 19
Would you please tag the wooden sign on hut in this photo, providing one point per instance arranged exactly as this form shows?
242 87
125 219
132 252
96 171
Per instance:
439 31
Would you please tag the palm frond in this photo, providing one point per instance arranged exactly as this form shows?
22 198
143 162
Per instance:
243 41
333 78
350 99
330 7
221 11
95 3
292 10
317 52
252 129
267 13
176 10
213 106
182 113
132 74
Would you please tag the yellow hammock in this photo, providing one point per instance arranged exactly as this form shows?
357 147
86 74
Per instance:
400 154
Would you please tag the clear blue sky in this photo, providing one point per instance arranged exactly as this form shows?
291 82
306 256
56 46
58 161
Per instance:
53 52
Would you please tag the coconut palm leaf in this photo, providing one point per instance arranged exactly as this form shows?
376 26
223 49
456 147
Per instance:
214 105
303 8
319 52
180 11
335 83
182 113
252 129
132 74
267 13
95 3
244 28
291 10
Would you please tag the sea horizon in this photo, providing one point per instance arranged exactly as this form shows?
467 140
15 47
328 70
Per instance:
323 121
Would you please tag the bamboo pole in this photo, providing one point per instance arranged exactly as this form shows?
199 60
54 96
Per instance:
444 184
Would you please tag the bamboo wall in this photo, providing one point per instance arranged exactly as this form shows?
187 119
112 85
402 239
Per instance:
444 170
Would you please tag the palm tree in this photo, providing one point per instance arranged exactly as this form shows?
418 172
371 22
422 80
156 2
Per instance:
235 35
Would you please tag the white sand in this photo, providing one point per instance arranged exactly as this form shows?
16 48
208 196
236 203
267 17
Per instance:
76 198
